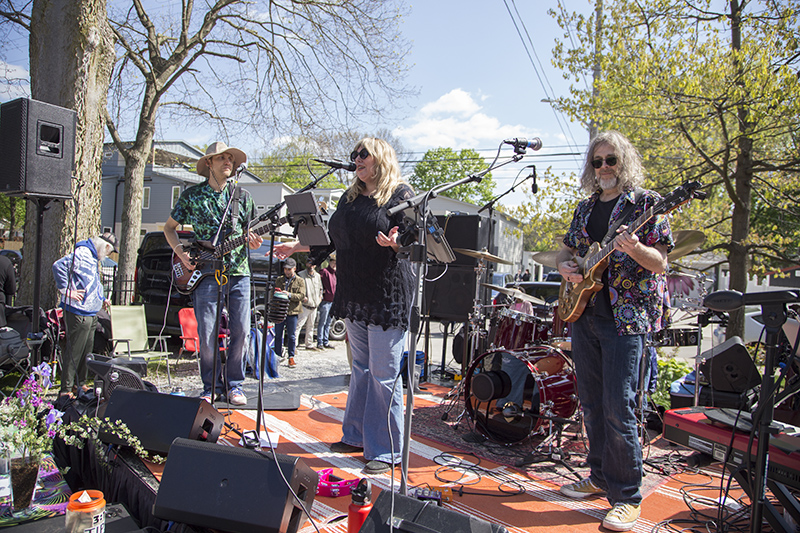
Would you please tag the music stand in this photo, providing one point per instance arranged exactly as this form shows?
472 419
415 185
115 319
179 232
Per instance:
305 218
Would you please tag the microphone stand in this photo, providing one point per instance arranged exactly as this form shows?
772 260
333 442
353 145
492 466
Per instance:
218 264
275 222
417 254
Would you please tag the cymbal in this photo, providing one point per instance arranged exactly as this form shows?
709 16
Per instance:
685 242
516 294
482 255
547 259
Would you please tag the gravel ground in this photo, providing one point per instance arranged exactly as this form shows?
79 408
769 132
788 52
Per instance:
317 372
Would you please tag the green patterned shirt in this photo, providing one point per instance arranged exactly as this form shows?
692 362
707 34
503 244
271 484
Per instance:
202 207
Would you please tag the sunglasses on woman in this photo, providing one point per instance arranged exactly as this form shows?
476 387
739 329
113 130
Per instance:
610 161
363 154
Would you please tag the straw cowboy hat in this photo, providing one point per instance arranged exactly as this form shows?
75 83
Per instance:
217 148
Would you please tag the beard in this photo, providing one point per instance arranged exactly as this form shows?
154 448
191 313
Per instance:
607 183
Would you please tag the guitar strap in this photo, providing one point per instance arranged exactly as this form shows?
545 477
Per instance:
623 216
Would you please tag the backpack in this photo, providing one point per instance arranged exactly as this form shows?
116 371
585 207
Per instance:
11 344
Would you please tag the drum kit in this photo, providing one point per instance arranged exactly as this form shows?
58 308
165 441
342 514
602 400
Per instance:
523 383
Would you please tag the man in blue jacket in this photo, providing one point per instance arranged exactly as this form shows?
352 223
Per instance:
77 277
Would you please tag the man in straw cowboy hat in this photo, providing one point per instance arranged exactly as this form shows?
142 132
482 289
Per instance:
203 206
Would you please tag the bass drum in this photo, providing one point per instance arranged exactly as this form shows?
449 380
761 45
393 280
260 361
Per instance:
511 395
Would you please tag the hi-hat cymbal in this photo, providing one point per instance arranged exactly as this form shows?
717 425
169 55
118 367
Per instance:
516 294
547 259
482 255
685 242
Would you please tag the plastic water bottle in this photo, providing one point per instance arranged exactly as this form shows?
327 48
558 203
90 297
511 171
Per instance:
360 505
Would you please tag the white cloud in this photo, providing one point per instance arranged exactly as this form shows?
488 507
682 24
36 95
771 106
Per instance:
455 121
14 82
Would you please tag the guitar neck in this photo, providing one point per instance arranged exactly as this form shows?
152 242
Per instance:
231 244
591 261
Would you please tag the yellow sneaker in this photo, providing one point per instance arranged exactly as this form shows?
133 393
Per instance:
622 517
581 489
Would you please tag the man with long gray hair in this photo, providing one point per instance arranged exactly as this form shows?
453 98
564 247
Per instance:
77 277
608 337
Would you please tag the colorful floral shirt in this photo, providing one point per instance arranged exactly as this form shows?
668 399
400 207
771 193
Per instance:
638 296
203 207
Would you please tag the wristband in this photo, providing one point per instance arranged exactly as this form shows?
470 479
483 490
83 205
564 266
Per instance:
333 489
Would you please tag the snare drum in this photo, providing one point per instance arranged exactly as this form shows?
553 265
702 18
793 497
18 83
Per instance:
535 384
517 330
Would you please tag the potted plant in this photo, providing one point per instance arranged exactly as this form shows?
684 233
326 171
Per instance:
28 425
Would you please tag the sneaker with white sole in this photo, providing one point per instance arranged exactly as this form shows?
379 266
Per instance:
237 397
581 489
622 517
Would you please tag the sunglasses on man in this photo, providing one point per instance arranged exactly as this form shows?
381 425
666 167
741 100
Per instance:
363 154
610 161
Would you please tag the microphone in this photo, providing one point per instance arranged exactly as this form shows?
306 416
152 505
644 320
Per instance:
241 168
335 163
278 308
729 300
534 187
521 143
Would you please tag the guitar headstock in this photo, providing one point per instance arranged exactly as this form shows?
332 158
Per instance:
681 195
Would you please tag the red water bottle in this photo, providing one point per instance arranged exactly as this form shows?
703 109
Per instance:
360 506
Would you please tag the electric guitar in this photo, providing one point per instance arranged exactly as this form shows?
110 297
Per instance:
202 252
573 297
202 255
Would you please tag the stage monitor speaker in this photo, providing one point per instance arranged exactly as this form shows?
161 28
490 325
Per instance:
466 231
234 489
37 149
729 368
415 516
157 419
450 296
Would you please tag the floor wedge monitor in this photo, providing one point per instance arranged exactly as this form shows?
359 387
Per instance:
157 419
234 489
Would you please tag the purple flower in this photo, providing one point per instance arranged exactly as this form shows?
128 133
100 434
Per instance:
53 417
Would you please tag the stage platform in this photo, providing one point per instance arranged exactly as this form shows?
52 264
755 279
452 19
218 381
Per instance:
485 482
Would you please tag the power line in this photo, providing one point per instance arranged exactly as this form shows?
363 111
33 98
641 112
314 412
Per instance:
531 53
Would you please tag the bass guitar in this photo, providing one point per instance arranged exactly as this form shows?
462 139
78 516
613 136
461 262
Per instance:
573 297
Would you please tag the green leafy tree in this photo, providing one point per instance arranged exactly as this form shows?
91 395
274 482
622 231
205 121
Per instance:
443 165
705 94
12 213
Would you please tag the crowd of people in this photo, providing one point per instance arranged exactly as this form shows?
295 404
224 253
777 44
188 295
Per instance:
366 283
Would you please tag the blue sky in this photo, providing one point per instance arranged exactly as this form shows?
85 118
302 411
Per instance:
477 84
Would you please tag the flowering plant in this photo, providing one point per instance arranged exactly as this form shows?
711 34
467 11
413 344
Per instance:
28 422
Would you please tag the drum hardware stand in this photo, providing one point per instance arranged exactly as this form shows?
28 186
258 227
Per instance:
553 453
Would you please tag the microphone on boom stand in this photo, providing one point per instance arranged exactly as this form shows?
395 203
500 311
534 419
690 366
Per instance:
335 163
521 143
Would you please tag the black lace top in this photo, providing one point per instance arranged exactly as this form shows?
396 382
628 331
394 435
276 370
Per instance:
372 285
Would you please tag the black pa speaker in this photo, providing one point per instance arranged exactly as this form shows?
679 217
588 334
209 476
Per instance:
417 516
37 147
157 419
450 293
466 231
729 368
234 489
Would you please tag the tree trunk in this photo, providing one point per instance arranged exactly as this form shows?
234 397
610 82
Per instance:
135 163
71 56
738 259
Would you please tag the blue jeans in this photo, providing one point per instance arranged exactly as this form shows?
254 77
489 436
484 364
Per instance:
323 323
236 293
290 324
607 371
373 392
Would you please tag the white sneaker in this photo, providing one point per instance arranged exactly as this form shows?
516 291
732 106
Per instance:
622 517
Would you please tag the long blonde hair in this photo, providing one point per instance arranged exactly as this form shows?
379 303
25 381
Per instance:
630 171
387 171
